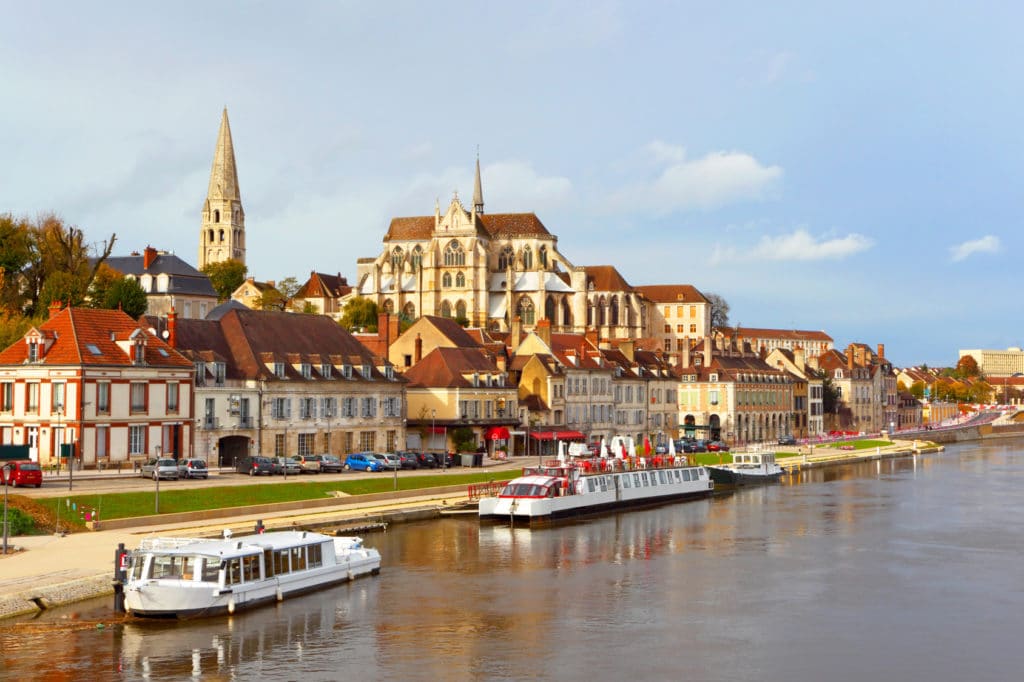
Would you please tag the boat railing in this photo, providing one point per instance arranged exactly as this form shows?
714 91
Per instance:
157 544
477 491
611 465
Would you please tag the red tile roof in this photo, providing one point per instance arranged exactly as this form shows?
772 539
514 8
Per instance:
606 278
493 224
79 332
320 285
671 293
446 367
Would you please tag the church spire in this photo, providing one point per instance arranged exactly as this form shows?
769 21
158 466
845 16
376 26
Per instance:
223 174
478 192
222 235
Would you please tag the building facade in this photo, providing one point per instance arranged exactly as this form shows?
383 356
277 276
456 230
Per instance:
169 282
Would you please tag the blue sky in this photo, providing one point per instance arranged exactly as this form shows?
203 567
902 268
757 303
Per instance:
853 167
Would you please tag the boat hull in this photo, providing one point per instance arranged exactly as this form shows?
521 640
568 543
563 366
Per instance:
724 476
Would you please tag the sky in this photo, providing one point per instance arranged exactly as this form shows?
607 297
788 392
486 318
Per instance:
848 167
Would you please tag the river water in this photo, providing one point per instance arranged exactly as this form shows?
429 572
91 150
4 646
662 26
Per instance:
907 569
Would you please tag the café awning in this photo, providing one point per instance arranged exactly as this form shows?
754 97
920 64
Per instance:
496 433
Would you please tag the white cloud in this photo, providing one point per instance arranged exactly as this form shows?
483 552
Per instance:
987 244
799 245
715 180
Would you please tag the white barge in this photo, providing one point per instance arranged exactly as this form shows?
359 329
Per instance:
191 577
747 468
555 491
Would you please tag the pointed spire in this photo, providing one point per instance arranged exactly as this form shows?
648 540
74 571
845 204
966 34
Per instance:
478 191
223 174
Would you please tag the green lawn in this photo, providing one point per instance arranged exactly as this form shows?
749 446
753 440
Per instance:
861 444
174 499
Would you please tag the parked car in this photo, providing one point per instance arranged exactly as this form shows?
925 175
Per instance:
21 473
331 463
192 468
284 466
409 460
165 467
787 440
427 460
362 461
388 460
310 463
718 446
254 466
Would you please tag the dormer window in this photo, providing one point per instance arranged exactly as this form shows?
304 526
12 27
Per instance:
307 370
33 351
200 373
139 350
366 371
346 371
713 377
389 372
220 372
325 370
476 380
279 370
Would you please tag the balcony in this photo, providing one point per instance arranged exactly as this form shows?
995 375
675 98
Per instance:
210 422
245 422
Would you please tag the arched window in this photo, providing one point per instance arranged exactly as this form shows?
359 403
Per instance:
216 216
460 279
446 309
566 316
460 311
409 311
549 308
601 305
542 253
527 258
389 306
446 280
453 254
211 236
615 311
397 257
590 313
506 258
417 257
525 310
221 235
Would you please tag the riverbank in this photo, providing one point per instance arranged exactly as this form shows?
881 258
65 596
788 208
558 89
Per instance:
38 577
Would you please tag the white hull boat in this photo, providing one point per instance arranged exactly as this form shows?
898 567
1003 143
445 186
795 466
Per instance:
747 468
192 577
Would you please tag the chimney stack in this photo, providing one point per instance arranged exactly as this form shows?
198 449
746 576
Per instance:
798 358
849 359
172 327
418 349
764 352
513 337
881 351
148 256
707 351
55 307
685 359
591 336
629 350
544 331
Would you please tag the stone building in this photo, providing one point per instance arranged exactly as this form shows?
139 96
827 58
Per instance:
222 233
169 283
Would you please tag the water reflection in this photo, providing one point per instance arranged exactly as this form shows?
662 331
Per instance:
879 570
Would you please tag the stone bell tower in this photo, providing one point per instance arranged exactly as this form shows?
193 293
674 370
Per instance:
222 235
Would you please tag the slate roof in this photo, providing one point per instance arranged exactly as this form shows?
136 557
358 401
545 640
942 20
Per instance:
76 332
182 277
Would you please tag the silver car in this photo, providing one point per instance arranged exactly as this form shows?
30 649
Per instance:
165 468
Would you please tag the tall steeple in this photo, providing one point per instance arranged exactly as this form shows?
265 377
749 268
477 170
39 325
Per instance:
478 191
222 235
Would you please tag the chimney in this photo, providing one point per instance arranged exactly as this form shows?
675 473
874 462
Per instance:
881 351
383 330
707 351
417 349
393 326
544 331
172 326
798 358
849 359
629 350
592 337
148 256
684 361
763 352
272 284
513 338
55 307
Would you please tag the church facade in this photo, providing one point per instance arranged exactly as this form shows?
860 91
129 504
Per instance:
489 269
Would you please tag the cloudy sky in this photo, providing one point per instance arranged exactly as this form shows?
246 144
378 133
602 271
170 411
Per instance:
850 167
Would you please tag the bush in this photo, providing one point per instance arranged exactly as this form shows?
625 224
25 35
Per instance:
19 523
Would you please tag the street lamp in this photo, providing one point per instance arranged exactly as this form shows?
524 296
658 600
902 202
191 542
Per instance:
156 477
60 445
7 473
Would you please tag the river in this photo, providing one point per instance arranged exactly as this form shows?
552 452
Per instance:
899 570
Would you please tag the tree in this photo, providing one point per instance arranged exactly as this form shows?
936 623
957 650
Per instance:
917 389
967 367
64 287
225 276
127 294
101 283
271 299
829 396
15 254
359 313
719 311
12 327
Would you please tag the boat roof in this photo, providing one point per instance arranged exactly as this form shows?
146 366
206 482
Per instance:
533 480
232 546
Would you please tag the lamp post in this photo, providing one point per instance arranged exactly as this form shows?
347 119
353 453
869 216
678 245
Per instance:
60 446
156 477
7 472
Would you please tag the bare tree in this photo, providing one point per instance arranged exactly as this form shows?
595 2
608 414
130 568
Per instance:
719 311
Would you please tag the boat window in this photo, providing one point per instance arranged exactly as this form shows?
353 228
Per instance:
137 562
654 478
591 485
643 477
686 474
604 484
167 566
298 558
251 567
316 557
233 576
211 570
678 479
636 480
701 473
625 482
268 563
281 562
661 477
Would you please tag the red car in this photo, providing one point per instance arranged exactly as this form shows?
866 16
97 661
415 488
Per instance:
21 472
717 446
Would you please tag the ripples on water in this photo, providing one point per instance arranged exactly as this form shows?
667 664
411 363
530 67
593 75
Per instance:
897 570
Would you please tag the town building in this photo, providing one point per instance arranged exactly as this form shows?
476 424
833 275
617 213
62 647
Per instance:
256 295
678 314
808 391
324 294
814 343
909 414
222 231
281 384
169 283
98 381
997 363
488 269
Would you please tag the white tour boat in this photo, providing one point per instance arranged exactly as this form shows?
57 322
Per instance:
190 577
747 468
557 491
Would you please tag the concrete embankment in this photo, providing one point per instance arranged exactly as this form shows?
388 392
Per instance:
825 457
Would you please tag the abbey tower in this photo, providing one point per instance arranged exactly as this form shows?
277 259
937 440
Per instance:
222 235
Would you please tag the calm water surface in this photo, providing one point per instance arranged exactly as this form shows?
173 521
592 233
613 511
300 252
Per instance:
900 570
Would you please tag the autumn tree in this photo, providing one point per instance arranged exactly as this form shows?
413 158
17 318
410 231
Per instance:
359 313
719 311
967 367
15 254
225 276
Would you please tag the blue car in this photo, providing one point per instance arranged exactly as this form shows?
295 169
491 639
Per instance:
361 461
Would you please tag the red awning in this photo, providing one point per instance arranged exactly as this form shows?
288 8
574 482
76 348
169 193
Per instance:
569 435
435 429
496 433
542 435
